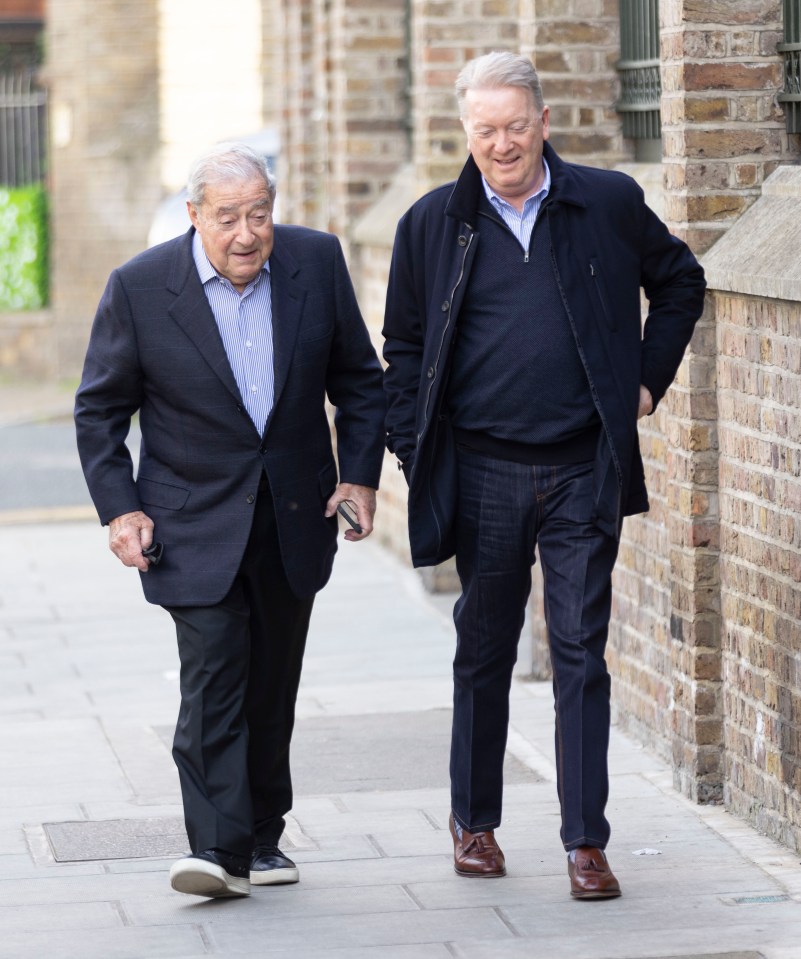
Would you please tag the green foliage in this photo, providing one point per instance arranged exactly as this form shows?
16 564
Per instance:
23 247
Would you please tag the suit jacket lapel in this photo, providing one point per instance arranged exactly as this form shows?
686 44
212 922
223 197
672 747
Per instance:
191 311
288 297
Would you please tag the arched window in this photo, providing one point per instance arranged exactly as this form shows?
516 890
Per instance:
640 85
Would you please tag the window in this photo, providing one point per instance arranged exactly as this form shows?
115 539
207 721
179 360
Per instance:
640 84
790 95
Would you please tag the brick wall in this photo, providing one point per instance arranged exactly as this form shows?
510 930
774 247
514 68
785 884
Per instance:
723 131
574 45
760 476
102 69
722 136
22 10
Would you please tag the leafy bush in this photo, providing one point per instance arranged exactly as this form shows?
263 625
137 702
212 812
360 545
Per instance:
23 247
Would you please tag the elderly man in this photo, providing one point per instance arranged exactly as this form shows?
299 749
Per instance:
517 370
227 341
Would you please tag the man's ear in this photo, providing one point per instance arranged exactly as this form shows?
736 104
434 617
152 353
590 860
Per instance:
193 216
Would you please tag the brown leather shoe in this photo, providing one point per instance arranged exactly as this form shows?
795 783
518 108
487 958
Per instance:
476 854
590 875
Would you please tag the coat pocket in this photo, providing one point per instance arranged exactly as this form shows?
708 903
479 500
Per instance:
597 282
163 495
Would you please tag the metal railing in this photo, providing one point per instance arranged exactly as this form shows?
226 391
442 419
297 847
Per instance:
640 84
790 95
23 135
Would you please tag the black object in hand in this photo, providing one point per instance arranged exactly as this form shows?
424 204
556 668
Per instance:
153 553
346 510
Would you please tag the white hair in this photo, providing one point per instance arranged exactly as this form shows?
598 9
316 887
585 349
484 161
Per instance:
227 161
500 68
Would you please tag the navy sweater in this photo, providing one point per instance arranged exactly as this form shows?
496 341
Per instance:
518 389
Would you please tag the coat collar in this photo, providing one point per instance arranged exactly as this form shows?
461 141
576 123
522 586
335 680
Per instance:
467 191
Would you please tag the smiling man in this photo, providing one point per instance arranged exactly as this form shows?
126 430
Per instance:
227 341
517 368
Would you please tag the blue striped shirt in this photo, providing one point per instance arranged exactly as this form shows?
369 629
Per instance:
521 224
245 322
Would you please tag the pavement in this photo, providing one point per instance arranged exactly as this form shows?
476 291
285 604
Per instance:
90 813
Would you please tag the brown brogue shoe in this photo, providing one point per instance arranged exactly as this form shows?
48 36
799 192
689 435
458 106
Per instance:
476 854
590 875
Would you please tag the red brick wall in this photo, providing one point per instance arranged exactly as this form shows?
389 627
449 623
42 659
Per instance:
22 10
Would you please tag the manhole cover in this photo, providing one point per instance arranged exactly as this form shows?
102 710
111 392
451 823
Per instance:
163 838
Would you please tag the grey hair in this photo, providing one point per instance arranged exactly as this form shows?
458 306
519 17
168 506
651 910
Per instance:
223 162
501 68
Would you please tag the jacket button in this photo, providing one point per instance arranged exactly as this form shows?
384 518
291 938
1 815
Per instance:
462 241
445 306
430 373
251 498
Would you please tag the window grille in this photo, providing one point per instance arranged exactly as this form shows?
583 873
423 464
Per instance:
640 84
23 138
790 95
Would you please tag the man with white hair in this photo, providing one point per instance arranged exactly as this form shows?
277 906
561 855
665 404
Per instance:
517 370
227 341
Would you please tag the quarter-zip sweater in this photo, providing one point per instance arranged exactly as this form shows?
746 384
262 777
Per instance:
518 389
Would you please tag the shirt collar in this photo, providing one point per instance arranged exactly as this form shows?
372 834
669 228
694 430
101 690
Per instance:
204 268
543 191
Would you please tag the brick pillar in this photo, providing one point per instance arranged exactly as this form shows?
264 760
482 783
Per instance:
367 106
722 129
102 69
722 134
693 520
291 93
574 45
444 37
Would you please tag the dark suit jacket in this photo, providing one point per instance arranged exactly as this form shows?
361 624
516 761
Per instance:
155 348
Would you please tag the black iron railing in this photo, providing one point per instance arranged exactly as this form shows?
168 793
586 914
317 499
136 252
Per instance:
640 84
23 136
790 95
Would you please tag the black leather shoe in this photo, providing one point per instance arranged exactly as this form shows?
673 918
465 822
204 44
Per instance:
270 867
213 872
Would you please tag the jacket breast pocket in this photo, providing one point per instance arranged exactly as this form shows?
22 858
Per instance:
601 298
317 331
162 495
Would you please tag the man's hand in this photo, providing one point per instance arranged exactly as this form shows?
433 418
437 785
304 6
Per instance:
363 499
646 402
128 535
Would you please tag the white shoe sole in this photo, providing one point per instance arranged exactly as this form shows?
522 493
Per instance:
198 877
274 877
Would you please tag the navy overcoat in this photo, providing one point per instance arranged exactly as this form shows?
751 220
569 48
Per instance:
607 246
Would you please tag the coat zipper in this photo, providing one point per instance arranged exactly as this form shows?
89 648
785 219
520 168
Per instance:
444 334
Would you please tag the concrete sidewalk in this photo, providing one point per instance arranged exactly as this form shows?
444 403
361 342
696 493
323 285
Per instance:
90 814
89 698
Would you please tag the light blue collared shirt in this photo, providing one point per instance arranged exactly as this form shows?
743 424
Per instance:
521 224
245 322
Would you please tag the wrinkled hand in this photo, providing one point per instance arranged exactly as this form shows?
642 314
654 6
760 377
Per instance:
362 498
128 535
646 402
